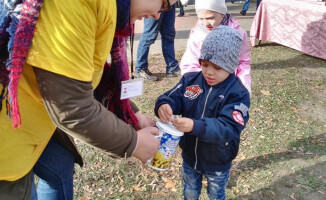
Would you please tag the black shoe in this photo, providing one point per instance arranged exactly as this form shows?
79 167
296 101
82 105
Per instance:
181 14
174 74
146 74
232 2
243 13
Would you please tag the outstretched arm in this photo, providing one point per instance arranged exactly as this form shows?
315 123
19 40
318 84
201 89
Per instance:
72 108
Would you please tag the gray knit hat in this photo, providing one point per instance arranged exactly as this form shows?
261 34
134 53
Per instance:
222 47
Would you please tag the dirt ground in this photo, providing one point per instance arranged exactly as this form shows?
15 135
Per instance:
318 94
317 112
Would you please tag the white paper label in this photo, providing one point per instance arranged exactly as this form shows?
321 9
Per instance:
132 88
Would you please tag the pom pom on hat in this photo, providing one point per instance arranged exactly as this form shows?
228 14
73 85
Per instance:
213 5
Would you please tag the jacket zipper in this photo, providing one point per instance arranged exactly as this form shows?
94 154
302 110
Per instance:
178 86
202 115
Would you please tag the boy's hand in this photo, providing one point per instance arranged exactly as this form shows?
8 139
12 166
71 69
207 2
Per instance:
165 113
183 124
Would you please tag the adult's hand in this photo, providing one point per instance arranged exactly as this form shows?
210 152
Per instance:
147 144
144 121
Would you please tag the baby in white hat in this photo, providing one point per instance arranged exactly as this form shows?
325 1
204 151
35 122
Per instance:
212 13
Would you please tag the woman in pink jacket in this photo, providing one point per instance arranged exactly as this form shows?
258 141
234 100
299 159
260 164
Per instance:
211 14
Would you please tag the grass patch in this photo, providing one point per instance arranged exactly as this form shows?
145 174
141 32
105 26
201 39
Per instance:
282 153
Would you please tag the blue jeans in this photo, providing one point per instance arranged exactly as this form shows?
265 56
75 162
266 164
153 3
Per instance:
164 25
181 10
55 171
192 183
258 3
247 4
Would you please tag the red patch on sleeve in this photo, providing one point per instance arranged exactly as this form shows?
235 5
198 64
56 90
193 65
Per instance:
237 116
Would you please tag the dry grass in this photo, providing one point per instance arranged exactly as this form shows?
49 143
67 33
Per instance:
283 149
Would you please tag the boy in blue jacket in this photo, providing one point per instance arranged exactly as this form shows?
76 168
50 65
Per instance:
214 106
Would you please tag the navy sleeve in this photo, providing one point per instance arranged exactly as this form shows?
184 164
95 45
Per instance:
199 128
230 122
172 97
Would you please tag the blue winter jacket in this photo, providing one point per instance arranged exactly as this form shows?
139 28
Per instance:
219 113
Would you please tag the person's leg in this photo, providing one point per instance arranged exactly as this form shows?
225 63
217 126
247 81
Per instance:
246 5
55 171
216 184
182 12
148 37
167 31
19 189
258 3
33 191
191 180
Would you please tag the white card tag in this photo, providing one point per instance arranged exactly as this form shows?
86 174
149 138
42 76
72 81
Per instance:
132 88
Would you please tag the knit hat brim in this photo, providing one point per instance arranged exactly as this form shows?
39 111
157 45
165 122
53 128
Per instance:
212 5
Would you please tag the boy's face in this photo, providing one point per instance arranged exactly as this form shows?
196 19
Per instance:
210 19
212 73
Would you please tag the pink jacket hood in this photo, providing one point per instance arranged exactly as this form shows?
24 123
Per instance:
190 62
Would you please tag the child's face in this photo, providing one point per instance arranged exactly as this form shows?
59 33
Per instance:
212 73
210 19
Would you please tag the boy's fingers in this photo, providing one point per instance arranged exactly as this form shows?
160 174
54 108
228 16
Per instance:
163 117
166 115
175 122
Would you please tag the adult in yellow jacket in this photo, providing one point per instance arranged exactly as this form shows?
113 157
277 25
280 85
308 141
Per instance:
71 43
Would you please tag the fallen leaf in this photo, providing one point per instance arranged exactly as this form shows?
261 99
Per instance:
121 189
315 141
294 109
136 188
280 83
83 198
302 121
292 196
169 184
265 92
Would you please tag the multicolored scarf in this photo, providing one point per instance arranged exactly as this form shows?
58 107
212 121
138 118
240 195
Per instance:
17 24
18 20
